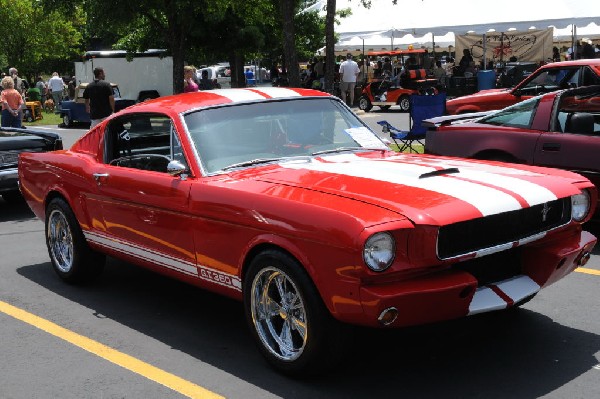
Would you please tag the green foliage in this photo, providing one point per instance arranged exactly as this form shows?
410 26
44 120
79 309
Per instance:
33 38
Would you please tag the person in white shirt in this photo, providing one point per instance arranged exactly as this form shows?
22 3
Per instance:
348 73
56 87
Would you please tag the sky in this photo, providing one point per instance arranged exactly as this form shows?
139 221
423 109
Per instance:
432 13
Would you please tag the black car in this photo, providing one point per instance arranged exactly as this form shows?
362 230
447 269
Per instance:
514 72
15 141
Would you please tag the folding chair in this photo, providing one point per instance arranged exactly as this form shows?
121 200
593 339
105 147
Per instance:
421 108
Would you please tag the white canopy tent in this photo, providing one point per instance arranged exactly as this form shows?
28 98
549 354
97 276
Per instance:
422 22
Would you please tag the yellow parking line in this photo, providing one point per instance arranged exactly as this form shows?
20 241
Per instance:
144 369
588 271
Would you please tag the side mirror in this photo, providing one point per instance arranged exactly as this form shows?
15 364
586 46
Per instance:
176 168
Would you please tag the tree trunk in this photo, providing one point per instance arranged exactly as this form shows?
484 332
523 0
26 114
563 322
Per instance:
329 46
177 42
236 63
289 42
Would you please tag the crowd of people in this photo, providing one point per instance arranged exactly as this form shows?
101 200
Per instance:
49 93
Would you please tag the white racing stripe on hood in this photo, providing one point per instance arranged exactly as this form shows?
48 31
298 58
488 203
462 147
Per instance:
533 193
487 200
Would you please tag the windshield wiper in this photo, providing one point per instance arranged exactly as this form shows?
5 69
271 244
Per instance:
343 149
439 172
251 162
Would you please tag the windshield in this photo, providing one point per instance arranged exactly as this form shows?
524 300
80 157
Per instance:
518 115
247 134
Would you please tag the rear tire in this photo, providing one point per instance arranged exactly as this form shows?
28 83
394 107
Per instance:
404 103
291 325
72 259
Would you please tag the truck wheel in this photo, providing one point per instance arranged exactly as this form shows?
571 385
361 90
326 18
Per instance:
67 120
289 322
404 103
72 259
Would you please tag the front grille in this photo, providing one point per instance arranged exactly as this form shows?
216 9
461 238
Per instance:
490 231
9 158
493 268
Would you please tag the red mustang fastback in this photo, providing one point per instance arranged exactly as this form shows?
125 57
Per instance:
284 199
547 78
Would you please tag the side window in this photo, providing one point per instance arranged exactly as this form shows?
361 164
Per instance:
142 141
589 77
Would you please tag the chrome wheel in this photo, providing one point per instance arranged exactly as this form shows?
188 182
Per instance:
279 314
60 241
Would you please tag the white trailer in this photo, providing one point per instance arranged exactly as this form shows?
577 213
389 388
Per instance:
147 75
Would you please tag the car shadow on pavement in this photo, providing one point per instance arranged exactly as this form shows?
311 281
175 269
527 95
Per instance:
516 354
17 211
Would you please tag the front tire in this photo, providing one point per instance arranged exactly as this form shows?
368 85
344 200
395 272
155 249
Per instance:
364 104
290 323
67 120
72 259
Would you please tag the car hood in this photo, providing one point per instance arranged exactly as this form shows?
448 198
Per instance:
484 95
425 189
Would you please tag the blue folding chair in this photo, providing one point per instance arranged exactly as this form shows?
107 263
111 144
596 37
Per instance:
421 107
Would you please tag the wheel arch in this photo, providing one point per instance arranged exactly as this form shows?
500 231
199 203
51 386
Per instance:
495 155
271 243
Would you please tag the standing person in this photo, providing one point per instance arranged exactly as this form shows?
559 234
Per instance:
348 73
19 84
41 86
465 62
11 104
99 98
56 87
555 54
189 84
71 88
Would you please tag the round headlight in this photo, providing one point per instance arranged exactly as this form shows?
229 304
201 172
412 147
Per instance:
580 205
379 251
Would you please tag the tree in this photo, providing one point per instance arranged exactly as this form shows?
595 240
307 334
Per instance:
32 39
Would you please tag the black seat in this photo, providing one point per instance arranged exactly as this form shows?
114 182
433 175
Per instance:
580 123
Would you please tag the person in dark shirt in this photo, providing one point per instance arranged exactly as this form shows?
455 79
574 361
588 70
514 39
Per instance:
99 98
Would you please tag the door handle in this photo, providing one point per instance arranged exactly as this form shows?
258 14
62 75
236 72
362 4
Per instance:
99 177
551 147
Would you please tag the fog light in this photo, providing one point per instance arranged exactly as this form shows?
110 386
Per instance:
388 316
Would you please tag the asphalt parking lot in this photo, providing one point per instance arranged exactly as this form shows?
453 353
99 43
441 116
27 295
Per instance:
135 334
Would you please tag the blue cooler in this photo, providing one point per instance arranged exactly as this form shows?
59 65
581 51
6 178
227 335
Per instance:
486 80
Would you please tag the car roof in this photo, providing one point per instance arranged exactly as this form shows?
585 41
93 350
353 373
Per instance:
585 61
187 101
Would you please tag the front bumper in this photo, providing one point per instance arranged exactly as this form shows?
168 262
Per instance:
9 180
453 293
